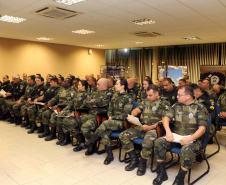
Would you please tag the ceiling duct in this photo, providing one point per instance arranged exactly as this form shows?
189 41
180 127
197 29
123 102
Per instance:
56 12
147 34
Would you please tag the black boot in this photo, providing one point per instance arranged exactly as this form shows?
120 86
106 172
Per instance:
91 149
62 137
91 141
134 161
40 129
28 123
162 175
66 140
33 127
12 120
210 141
45 131
141 166
3 116
52 134
80 139
179 180
110 156
18 120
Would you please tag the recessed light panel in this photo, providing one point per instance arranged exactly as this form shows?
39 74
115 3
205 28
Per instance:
44 38
11 19
69 2
191 38
143 21
83 31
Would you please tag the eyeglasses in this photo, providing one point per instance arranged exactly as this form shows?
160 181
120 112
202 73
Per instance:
181 95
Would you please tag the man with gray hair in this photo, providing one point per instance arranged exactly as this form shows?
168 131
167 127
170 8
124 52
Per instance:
15 93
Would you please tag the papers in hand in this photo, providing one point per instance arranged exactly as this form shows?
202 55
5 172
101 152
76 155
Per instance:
39 103
2 92
134 120
178 137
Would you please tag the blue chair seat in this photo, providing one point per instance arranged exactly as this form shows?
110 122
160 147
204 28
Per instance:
176 150
115 134
222 123
138 141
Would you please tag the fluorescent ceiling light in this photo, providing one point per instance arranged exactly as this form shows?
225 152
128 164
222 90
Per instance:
44 38
143 21
99 45
191 38
83 31
12 19
69 2
139 42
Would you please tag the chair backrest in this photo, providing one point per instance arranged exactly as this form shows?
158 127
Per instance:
206 135
135 105
217 110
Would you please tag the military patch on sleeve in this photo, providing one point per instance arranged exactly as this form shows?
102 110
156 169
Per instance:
173 97
21 86
41 92
212 107
72 94
130 100
154 108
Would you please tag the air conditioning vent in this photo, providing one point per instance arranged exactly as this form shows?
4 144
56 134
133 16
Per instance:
56 12
147 34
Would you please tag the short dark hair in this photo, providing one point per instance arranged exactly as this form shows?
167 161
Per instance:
112 79
94 79
7 76
62 78
69 81
124 82
32 77
148 77
149 81
188 90
72 77
84 83
183 80
152 87
169 80
207 80
200 80
54 79
195 86
41 78
49 75
39 75
77 79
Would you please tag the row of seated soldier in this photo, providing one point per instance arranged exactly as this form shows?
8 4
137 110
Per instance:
51 109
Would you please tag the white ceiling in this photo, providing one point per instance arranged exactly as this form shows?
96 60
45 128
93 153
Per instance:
110 19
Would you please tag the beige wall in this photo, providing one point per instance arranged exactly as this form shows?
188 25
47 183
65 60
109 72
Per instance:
18 56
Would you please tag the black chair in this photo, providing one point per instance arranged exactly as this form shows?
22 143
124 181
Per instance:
177 151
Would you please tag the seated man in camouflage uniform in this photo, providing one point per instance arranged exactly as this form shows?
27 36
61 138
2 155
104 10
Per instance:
98 103
61 100
190 118
15 92
151 110
222 104
19 103
119 107
206 86
50 93
131 89
142 94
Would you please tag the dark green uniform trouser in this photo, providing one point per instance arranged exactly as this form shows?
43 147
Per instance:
130 134
161 146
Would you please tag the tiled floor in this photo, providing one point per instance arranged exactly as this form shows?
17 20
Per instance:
26 159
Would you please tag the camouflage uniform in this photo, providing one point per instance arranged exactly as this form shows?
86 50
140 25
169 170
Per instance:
137 88
222 104
61 100
152 112
112 89
141 96
206 100
17 106
88 122
29 110
17 91
132 93
119 107
6 86
67 125
92 90
212 94
187 120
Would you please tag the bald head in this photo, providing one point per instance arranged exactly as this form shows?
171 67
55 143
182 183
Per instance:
216 88
102 84
130 83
